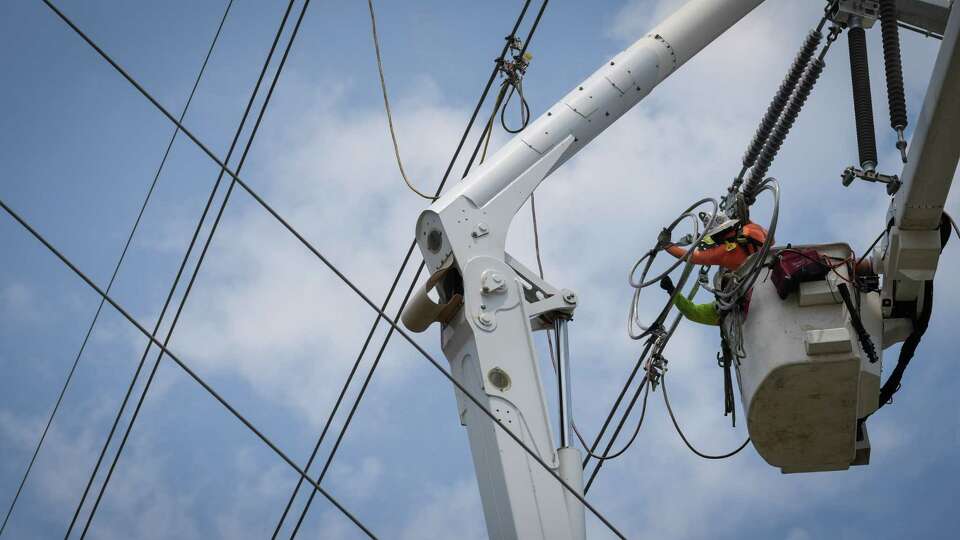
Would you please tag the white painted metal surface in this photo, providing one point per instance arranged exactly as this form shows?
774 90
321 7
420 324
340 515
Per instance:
490 340
805 379
913 248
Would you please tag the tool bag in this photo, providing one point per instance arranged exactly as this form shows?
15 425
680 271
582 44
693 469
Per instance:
791 267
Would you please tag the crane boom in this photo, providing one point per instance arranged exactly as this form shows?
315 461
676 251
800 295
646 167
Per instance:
489 341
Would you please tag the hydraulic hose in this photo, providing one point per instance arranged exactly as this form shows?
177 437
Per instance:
862 100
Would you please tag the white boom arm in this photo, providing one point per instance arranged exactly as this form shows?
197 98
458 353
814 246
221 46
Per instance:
489 342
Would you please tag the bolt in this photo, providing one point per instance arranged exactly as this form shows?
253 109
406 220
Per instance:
570 297
485 319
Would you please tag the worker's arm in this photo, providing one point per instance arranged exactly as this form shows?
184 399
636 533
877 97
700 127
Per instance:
698 313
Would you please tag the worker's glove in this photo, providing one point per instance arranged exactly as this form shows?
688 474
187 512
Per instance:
667 284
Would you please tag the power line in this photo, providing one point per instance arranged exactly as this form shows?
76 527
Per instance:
176 280
376 362
333 268
402 268
116 269
206 386
206 246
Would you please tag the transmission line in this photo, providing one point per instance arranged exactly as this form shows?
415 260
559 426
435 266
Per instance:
323 259
416 277
205 248
206 386
116 269
176 282
402 268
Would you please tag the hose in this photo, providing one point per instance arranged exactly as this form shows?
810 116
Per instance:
862 101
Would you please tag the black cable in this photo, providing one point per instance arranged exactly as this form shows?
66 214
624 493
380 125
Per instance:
920 324
515 88
116 269
403 266
176 281
333 268
673 418
644 388
616 403
406 298
356 404
208 241
206 386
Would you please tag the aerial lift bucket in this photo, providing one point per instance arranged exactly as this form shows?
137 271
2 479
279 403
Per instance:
805 378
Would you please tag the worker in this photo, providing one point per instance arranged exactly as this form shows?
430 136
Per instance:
727 246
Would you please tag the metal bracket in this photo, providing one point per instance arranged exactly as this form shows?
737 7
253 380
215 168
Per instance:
853 173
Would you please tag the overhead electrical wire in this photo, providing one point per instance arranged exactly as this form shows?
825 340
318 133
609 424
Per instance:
376 362
116 269
206 386
323 259
179 274
213 228
386 105
396 279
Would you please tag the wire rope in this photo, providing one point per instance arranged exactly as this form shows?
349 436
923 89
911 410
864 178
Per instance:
116 269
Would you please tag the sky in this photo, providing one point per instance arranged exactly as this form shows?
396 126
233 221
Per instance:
275 332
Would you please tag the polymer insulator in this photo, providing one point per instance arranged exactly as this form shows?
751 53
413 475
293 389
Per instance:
862 100
893 64
782 129
782 97
893 67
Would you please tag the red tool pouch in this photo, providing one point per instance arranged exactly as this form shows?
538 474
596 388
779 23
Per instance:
795 266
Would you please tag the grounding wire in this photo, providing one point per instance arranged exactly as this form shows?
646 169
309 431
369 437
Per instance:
210 235
386 105
169 297
403 266
116 269
206 386
673 419
486 139
326 262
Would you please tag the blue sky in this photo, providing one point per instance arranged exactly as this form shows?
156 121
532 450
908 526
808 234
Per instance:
275 332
